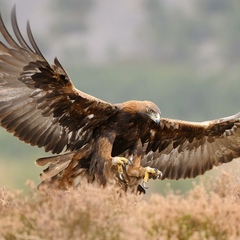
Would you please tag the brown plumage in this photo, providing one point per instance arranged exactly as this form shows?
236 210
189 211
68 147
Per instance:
103 142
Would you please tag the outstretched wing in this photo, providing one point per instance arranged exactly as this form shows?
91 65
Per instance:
183 149
38 102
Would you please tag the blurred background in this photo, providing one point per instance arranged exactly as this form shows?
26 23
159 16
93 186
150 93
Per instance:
182 55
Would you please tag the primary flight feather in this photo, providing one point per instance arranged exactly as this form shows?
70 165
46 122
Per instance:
97 141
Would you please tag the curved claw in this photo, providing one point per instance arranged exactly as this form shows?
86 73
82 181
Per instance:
121 177
144 185
160 175
130 162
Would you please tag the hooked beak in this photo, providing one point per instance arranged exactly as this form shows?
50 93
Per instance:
156 118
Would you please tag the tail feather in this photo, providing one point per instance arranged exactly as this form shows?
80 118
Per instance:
56 165
54 159
62 172
54 169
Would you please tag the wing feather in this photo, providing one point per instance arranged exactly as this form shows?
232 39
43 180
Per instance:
17 31
38 102
188 149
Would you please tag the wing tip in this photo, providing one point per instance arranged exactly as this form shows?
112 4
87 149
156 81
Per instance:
229 118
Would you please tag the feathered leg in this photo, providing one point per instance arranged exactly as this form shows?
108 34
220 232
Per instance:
136 170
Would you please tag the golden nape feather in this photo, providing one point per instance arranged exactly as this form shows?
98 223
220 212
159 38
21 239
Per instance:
95 141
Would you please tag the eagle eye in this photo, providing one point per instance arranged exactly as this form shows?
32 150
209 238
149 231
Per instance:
150 111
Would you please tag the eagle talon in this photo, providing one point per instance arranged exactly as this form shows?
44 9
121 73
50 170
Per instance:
120 175
120 162
160 174
144 185
150 173
130 160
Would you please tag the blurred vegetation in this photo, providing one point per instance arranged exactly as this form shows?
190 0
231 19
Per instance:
78 10
188 65
95 213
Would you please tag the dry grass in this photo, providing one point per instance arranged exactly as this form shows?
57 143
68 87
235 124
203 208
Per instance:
93 213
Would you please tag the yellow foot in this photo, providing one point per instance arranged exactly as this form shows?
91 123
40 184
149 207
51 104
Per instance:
151 173
120 161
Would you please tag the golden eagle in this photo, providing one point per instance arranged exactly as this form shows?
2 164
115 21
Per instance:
123 143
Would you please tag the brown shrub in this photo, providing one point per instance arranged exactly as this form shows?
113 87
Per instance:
96 213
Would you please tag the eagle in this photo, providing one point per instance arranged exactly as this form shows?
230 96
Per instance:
94 141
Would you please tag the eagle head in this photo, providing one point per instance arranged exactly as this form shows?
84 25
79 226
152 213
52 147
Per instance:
146 109
152 111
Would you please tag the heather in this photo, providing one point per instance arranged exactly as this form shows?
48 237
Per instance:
205 212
